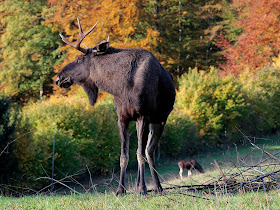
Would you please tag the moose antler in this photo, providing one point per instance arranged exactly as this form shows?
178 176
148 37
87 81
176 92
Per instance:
81 37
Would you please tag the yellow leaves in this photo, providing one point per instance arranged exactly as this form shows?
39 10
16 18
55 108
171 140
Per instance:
211 102
184 13
213 32
150 40
276 61
36 57
119 19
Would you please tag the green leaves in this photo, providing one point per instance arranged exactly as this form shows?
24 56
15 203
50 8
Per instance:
213 103
29 50
263 94
85 136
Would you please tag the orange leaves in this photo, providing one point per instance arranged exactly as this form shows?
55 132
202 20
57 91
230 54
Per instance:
118 19
260 40
121 20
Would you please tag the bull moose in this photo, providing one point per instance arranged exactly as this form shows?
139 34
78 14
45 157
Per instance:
143 92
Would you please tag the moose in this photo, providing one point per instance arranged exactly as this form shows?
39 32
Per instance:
189 165
143 91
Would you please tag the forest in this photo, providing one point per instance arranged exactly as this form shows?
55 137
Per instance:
223 56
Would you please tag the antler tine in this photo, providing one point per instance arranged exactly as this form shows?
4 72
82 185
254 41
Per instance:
91 28
66 40
85 45
81 37
80 27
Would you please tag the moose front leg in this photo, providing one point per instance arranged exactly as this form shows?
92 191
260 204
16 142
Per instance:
190 170
142 126
124 138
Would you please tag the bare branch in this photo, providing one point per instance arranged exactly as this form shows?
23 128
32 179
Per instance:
60 183
15 140
257 146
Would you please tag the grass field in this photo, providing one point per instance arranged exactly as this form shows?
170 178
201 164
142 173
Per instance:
104 198
252 200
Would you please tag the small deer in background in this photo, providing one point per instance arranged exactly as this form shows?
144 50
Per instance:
189 165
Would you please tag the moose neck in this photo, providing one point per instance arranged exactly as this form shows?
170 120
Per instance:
107 72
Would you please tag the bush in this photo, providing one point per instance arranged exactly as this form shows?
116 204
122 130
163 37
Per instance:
179 137
262 92
214 104
85 135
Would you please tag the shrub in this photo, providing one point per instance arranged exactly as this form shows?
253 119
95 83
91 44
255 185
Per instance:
179 136
85 135
262 92
214 104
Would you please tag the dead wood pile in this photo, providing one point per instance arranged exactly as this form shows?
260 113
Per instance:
242 176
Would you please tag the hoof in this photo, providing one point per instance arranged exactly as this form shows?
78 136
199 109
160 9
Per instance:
159 190
121 191
142 190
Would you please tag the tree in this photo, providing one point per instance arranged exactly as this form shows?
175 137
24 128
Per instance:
119 19
29 50
187 30
180 35
260 38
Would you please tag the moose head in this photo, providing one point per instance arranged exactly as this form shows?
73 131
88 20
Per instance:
79 70
70 73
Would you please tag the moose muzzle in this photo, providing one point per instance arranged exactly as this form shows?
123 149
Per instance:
64 82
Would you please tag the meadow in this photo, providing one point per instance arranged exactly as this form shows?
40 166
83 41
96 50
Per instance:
178 198
225 62
252 200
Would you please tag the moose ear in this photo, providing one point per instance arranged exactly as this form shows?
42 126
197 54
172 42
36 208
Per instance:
101 48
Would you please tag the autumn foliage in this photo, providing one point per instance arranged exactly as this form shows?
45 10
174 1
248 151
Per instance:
223 55
260 39
118 19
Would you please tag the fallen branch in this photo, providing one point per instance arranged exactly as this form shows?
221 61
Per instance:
257 145
60 183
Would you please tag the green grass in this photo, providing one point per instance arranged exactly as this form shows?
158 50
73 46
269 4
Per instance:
252 200
172 199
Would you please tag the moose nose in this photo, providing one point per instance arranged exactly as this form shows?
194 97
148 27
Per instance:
57 81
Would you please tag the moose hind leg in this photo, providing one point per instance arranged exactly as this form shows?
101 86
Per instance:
124 138
142 126
154 137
